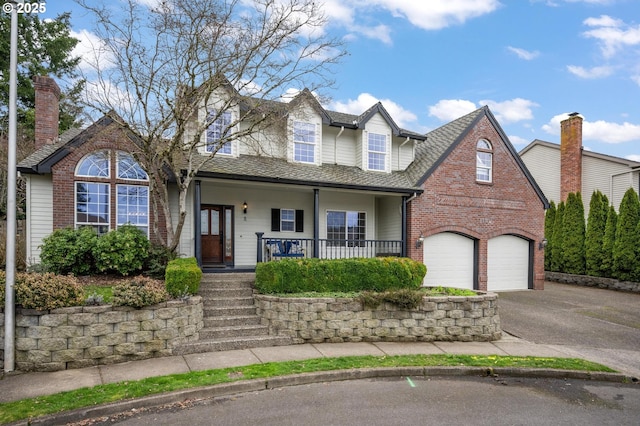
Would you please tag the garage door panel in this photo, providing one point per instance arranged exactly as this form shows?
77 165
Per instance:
507 263
449 259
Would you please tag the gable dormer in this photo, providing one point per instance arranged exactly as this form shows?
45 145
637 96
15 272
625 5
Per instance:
375 140
304 129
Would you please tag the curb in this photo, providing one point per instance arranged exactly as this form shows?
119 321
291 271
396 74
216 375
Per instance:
227 389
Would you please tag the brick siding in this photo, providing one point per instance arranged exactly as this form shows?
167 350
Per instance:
454 202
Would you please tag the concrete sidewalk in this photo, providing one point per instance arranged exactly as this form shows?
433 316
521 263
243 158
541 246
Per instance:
17 385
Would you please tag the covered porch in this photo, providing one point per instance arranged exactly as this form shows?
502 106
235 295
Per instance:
241 224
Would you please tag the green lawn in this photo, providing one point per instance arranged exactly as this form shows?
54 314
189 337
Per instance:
102 394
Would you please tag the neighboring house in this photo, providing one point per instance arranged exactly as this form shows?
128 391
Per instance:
323 184
568 167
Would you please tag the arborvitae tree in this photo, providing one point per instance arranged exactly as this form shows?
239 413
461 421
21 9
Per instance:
627 238
573 233
549 221
598 208
557 261
607 242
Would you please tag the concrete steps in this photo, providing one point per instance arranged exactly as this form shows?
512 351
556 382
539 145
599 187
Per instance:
230 320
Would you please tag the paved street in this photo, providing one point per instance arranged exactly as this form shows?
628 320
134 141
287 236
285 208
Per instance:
398 401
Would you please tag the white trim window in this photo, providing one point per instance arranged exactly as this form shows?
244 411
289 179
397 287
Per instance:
287 220
132 205
304 142
93 197
346 228
92 206
484 161
218 129
377 151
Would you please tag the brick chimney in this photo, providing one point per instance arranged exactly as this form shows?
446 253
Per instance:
47 112
570 155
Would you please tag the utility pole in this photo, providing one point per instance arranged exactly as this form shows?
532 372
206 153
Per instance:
10 269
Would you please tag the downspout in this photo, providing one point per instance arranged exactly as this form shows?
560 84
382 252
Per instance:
335 145
405 237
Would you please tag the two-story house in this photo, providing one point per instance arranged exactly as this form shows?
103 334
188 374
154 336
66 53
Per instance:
567 167
321 184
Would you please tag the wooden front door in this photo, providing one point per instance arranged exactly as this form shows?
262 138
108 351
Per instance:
216 234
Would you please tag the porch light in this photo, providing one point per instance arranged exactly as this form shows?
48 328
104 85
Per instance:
419 241
542 244
244 207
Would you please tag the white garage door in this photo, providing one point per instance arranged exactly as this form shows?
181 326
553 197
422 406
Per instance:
507 263
449 259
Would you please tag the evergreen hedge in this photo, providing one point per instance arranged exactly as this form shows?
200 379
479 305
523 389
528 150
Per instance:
596 223
557 264
627 238
338 275
182 277
607 243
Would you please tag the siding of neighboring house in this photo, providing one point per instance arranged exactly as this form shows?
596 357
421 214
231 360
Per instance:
39 218
611 178
544 164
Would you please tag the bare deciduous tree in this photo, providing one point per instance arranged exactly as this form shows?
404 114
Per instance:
158 68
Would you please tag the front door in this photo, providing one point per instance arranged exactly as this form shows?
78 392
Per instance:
216 234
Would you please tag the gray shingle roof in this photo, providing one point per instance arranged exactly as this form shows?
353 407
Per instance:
431 152
271 169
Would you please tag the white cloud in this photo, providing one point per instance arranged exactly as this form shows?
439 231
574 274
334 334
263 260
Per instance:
401 116
524 54
435 14
91 50
450 109
517 140
633 157
613 34
511 111
636 79
591 73
600 130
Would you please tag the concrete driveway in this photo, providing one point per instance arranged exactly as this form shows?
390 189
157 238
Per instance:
586 322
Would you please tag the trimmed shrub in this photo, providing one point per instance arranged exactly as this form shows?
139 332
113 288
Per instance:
598 208
607 242
69 251
48 291
573 233
122 251
549 221
139 292
183 277
557 262
345 275
627 238
404 298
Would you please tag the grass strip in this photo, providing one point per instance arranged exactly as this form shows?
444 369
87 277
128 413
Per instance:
64 401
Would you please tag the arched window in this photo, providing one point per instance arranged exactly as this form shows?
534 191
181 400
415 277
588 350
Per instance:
484 161
93 193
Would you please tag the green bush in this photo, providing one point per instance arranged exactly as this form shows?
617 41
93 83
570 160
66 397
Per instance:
598 209
159 257
573 235
627 238
139 292
69 251
607 242
183 277
122 251
557 261
345 275
47 291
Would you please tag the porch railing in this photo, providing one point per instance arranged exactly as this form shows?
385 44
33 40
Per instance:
276 248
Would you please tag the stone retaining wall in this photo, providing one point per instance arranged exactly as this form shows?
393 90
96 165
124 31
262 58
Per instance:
315 320
588 281
84 336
